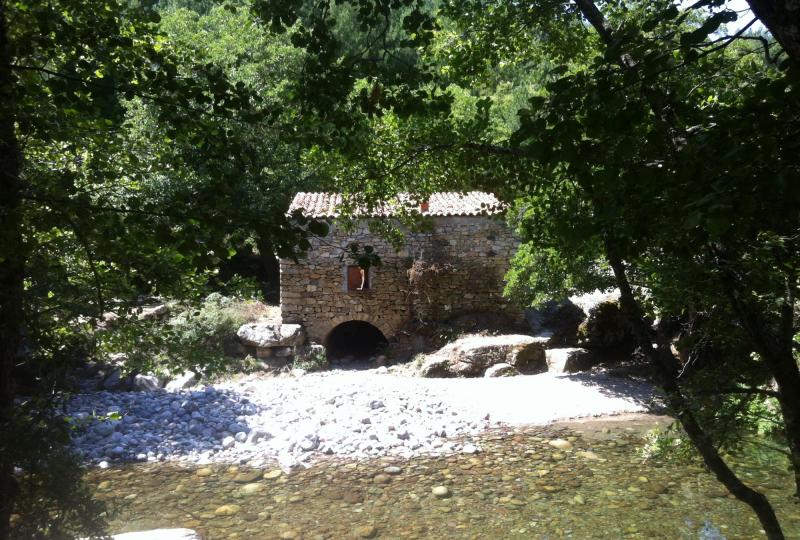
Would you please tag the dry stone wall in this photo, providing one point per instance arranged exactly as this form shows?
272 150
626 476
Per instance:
457 267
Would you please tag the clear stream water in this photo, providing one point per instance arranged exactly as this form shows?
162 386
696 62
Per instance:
519 486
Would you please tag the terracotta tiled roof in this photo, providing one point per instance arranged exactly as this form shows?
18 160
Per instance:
449 203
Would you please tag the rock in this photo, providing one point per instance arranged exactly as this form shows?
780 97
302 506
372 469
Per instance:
252 488
382 479
469 449
392 469
236 427
246 477
154 313
146 383
271 335
184 380
273 474
309 443
657 487
471 355
159 534
436 367
283 352
605 327
205 471
366 531
501 370
256 435
113 380
557 321
228 442
353 497
240 437
561 444
569 360
578 499
227 510
106 427
588 455
441 492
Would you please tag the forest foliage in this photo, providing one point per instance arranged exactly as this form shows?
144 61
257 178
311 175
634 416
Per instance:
649 146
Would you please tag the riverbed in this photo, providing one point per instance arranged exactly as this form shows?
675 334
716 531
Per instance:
577 480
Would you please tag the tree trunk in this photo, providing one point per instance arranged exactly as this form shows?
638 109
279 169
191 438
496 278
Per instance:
12 271
666 369
774 343
664 364
782 19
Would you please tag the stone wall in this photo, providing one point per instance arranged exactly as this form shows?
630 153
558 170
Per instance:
457 268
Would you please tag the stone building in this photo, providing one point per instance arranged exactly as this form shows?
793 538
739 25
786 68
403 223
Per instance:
455 265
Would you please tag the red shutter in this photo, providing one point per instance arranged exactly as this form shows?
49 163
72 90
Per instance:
354 278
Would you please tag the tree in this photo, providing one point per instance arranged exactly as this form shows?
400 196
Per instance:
657 157
614 140
782 18
96 208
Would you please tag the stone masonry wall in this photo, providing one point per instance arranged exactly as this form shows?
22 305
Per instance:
472 256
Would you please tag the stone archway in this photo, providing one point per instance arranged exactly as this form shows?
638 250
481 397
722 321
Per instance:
355 340
320 332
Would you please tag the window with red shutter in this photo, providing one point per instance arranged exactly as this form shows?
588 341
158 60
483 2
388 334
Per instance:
357 278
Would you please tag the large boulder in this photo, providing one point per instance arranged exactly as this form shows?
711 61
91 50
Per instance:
605 328
569 360
592 321
501 370
146 383
181 381
470 356
271 335
557 321
154 313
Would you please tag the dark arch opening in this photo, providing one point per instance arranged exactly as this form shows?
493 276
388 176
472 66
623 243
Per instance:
355 341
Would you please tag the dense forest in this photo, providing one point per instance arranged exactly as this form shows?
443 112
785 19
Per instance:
650 146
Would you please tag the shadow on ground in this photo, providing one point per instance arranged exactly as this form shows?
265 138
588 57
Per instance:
635 389
158 424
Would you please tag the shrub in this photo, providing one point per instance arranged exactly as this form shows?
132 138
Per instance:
312 358
199 338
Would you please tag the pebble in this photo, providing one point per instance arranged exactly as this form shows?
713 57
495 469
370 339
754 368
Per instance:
441 491
248 476
366 531
561 444
293 422
250 489
382 479
227 510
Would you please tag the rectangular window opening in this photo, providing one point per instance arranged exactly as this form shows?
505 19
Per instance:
357 278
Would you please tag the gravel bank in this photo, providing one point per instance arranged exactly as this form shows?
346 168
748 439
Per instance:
347 414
